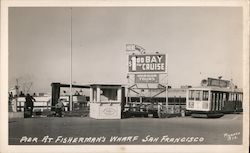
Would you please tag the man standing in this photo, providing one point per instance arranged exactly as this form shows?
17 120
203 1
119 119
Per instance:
29 104
59 108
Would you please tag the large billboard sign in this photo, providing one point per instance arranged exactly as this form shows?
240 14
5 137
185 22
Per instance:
147 63
146 78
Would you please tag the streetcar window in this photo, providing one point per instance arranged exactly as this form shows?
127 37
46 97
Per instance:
224 96
213 101
234 97
198 95
191 95
221 100
224 99
205 95
230 97
240 97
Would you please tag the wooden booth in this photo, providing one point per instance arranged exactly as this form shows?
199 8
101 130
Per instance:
106 101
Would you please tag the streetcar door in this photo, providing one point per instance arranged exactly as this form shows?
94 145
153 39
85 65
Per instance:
213 101
217 103
216 100
221 99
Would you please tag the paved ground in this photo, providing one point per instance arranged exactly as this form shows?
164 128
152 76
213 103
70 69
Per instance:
76 130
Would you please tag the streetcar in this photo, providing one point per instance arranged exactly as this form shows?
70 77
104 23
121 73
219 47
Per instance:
212 101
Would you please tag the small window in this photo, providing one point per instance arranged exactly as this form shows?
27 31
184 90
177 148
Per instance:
197 95
230 97
205 95
94 95
224 97
108 95
241 97
191 95
234 97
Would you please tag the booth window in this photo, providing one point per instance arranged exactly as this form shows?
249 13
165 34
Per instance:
94 94
108 94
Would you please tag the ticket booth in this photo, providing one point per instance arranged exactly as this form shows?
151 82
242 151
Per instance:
105 101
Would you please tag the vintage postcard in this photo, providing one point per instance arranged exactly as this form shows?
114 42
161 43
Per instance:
116 76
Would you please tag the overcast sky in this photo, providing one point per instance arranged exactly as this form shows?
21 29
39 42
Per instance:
200 42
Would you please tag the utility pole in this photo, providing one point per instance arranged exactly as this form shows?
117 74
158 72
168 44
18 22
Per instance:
17 95
70 97
167 85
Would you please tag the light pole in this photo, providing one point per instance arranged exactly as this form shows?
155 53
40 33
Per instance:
70 87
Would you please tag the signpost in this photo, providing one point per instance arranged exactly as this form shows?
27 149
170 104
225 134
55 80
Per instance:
146 72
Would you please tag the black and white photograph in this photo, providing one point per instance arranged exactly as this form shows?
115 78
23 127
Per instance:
125 76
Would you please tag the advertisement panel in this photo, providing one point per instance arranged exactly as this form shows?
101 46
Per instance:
146 78
147 63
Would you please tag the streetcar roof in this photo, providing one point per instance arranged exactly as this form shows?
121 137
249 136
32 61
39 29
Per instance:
212 88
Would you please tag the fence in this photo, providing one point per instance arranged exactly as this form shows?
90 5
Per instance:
44 103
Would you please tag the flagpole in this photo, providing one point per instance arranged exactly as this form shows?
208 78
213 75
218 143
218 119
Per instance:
70 101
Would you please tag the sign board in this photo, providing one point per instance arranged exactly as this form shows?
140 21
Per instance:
147 63
133 47
146 78
217 82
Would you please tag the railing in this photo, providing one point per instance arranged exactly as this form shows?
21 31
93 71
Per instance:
41 104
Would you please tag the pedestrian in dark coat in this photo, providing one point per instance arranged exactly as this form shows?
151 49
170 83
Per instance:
29 103
59 108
